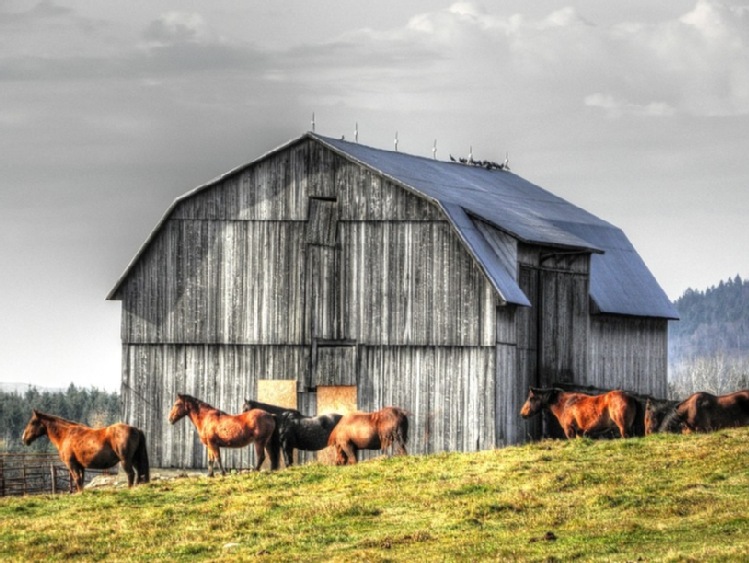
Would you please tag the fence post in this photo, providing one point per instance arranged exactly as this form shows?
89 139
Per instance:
54 478
2 478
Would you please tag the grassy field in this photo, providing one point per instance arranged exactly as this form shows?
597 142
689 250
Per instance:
662 498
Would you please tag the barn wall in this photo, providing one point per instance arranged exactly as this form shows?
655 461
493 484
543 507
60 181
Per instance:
629 353
449 391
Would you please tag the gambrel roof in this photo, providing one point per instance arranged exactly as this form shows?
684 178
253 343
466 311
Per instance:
620 282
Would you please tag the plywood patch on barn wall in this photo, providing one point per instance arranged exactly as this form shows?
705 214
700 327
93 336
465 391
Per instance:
281 392
341 399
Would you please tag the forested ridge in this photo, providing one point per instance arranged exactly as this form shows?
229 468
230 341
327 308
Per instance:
89 406
709 346
712 321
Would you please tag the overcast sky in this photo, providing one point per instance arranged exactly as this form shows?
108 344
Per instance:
637 111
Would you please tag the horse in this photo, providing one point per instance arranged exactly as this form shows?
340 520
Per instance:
661 416
81 447
369 431
277 411
703 412
308 433
580 414
217 430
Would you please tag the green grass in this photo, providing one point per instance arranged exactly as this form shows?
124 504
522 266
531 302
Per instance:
662 498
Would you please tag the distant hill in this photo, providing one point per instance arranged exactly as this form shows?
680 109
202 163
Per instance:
712 321
709 346
21 388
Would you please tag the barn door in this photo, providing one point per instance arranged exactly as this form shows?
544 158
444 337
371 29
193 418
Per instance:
528 339
323 302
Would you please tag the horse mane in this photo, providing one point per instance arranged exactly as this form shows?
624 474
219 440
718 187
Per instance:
198 402
58 419
273 409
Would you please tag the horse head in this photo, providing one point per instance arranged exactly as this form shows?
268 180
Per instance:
537 400
661 416
34 429
180 408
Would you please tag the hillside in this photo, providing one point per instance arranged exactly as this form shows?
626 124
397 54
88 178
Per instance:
713 321
655 499
709 346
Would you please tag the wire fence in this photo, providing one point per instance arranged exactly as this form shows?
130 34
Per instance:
35 473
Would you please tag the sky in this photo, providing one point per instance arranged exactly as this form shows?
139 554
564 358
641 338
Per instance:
636 111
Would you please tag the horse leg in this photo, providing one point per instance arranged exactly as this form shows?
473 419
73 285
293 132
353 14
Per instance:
128 467
76 475
288 454
349 451
400 446
570 432
340 455
214 453
259 454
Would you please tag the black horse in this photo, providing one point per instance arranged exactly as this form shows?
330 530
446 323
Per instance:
308 433
295 430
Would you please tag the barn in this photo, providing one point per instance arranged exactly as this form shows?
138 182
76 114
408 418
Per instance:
331 276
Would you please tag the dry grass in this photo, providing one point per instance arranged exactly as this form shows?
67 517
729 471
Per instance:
663 498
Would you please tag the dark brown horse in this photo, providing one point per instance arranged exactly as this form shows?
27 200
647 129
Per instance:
82 447
700 412
217 430
580 414
369 431
661 416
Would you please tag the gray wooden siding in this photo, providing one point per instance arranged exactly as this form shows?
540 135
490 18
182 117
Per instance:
629 353
413 283
222 376
449 391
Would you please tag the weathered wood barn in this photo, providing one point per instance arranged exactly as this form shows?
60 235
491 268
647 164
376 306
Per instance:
330 275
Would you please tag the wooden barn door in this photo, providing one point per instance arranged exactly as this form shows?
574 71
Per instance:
552 334
528 338
323 291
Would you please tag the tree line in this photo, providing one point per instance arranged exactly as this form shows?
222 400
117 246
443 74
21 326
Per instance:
88 406
709 346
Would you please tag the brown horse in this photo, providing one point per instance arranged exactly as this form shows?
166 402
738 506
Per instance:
582 415
82 447
369 431
220 430
700 412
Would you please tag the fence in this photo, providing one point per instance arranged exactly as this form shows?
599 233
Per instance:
34 473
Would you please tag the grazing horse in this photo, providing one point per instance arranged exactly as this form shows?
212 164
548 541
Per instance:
701 412
580 414
369 431
82 447
661 416
220 430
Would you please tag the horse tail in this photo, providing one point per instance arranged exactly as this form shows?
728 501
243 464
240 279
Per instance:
141 459
273 447
638 425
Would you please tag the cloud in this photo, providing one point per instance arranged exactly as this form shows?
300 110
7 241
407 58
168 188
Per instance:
617 108
177 27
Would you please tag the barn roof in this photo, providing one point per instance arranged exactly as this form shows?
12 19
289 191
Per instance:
620 282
